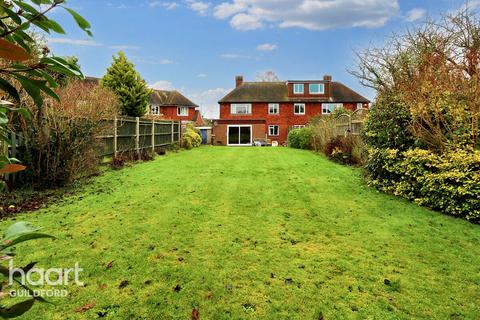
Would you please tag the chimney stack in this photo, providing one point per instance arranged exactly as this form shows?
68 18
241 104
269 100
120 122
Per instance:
327 77
238 81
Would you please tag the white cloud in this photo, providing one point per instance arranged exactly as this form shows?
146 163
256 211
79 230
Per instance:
152 61
162 85
415 14
89 43
75 42
163 4
234 56
199 6
267 47
208 101
308 14
202 75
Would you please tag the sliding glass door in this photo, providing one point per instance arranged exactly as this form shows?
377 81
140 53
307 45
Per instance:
240 135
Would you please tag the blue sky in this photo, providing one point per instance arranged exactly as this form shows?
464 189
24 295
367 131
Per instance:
198 46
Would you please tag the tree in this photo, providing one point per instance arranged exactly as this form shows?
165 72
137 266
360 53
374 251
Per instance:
267 76
433 70
130 88
25 68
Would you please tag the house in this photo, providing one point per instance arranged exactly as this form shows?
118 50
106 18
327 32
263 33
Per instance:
172 105
269 110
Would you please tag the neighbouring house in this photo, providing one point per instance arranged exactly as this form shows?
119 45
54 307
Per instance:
269 110
172 105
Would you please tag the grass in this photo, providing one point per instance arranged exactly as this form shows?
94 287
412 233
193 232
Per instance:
249 233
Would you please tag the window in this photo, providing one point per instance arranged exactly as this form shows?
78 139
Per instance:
299 108
182 111
273 108
359 106
298 126
241 108
316 88
328 108
298 88
155 110
273 130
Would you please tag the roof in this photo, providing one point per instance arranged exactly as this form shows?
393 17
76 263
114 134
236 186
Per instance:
170 98
249 92
341 93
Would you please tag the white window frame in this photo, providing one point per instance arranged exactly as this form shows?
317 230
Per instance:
359 106
182 111
240 126
300 105
157 108
274 105
235 106
321 88
274 126
335 106
298 126
295 91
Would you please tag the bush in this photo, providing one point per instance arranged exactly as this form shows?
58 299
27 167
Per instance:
449 182
388 125
300 138
61 142
346 150
191 138
323 131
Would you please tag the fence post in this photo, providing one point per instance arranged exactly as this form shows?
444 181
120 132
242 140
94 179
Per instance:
173 131
153 135
115 135
137 135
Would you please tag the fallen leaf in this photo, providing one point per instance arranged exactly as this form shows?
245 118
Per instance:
86 307
110 265
195 314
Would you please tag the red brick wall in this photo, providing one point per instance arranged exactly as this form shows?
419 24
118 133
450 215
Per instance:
285 119
170 113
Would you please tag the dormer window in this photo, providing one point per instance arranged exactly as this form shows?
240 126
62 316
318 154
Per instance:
316 88
298 88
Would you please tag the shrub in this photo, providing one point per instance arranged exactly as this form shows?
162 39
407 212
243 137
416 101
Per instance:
61 139
191 138
300 138
323 131
344 150
388 125
449 182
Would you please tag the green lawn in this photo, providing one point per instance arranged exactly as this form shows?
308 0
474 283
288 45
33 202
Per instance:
254 233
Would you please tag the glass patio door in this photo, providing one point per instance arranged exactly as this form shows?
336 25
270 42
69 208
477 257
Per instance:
240 135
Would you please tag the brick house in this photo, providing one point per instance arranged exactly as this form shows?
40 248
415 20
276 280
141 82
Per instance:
172 105
269 110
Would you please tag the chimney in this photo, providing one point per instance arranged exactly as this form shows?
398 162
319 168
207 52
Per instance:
327 77
238 81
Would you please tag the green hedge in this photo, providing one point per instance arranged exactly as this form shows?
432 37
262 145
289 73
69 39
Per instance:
449 182
300 138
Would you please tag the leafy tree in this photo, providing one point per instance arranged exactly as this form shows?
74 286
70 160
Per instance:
24 68
130 88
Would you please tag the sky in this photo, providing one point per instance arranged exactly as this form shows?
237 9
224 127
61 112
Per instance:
198 46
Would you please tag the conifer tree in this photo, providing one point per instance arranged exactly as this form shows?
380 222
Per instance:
128 85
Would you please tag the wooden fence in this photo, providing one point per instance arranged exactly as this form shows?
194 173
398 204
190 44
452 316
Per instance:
136 134
122 134
350 124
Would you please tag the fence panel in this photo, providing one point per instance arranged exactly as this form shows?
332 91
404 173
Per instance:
136 134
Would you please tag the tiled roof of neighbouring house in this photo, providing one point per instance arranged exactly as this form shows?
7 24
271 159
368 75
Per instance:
170 98
278 92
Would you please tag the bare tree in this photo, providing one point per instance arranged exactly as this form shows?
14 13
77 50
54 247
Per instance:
267 76
434 69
